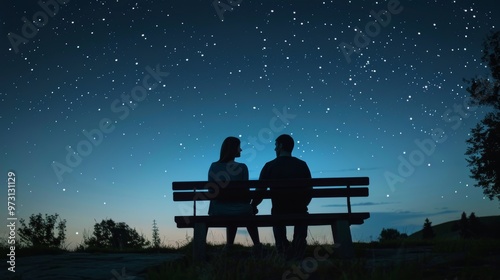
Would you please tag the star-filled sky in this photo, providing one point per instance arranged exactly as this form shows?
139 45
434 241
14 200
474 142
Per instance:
105 103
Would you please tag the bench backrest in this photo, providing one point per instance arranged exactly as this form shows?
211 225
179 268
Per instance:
321 187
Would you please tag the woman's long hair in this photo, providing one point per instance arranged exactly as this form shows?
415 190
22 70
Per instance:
229 149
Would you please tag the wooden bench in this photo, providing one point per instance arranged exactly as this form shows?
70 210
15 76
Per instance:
322 188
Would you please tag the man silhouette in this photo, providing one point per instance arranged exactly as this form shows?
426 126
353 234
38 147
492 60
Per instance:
285 166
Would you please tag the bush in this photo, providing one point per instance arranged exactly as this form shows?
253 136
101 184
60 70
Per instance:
110 235
391 234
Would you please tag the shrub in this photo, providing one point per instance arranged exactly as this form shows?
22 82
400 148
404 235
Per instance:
391 234
110 235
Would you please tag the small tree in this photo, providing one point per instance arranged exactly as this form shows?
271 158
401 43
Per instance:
427 231
108 234
463 226
40 232
156 236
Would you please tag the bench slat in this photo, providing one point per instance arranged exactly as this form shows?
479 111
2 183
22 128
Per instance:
317 182
271 220
237 194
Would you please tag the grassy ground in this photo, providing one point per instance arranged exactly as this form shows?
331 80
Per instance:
401 259
439 259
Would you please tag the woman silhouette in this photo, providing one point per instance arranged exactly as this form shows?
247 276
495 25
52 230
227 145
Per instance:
231 170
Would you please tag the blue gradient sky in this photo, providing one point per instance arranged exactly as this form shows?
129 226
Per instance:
265 69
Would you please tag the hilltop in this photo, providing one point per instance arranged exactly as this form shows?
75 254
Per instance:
489 228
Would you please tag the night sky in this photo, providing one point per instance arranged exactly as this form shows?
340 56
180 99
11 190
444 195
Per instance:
105 103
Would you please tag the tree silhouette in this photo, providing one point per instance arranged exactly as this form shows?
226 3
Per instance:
427 231
156 236
474 225
463 226
108 234
483 149
40 232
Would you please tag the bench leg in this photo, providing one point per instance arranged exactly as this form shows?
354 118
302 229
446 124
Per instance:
342 236
199 241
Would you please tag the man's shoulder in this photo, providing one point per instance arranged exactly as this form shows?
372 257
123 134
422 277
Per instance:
274 162
299 160
271 161
285 159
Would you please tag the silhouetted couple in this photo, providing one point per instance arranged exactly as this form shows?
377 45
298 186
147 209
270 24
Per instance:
284 166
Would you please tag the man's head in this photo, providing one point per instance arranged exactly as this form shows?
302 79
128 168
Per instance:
284 145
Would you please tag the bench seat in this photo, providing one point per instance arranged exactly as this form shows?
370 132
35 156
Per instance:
271 220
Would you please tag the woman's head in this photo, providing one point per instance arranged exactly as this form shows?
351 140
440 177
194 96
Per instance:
230 149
